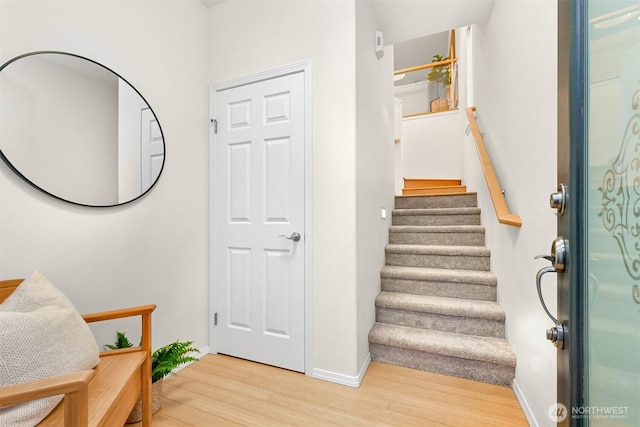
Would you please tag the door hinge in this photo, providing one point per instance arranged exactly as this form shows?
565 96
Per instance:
215 319
215 125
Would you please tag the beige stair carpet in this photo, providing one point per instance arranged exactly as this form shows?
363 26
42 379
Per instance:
437 310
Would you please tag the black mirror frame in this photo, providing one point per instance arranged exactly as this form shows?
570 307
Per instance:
28 181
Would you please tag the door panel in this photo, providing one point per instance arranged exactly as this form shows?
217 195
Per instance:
151 147
239 182
277 181
259 202
571 219
239 295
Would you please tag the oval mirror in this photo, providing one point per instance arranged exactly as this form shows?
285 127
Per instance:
76 130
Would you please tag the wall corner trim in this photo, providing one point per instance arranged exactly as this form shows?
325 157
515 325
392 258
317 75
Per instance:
524 405
348 380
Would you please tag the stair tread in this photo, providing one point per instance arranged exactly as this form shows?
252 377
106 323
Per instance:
437 229
430 192
435 318
438 211
400 248
471 347
404 196
477 309
431 182
433 201
441 274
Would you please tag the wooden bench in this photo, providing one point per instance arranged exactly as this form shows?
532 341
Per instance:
103 396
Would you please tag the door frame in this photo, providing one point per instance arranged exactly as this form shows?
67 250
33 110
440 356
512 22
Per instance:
572 368
578 199
305 68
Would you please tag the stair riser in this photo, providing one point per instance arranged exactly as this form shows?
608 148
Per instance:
440 289
458 262
446 365
453 201
422 182
434 220
453 239
440 322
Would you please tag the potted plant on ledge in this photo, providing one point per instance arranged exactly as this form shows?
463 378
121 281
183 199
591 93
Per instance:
163 361
440 75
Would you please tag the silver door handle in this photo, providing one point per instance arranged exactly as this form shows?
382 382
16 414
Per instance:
295 236
542 272
557 334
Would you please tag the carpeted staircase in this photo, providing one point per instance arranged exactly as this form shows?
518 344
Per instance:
437 310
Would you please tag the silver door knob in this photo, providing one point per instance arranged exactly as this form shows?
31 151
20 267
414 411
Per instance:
295 236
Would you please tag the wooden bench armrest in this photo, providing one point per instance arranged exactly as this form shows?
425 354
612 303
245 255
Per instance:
144 312
119 314
47 387
75 387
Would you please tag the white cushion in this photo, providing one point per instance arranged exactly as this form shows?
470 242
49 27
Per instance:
41 335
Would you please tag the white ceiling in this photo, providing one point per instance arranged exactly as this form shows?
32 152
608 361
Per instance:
418 29
402 20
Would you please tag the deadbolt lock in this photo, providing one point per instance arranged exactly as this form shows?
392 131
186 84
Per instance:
557 335
558 200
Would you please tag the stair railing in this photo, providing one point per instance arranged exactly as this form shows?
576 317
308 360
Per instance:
497 197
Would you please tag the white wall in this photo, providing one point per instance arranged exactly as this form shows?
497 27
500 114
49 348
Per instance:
515 93
130 105
432 146
248 37
397 150
154 250
374 167
416 97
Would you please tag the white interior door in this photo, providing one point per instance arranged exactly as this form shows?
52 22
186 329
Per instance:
259 204
151 149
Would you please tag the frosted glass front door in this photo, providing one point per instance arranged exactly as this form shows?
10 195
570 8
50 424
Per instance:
612 359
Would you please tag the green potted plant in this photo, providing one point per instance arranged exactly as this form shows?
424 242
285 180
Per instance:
440 74
163 361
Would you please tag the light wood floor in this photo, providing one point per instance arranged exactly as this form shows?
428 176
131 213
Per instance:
224 391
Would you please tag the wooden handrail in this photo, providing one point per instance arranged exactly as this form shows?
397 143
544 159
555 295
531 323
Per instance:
499 202
425 66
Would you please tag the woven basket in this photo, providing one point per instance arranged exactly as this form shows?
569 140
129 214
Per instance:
156 394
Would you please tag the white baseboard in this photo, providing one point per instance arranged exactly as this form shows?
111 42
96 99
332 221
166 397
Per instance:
203 352
342 379
524 405
199 355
